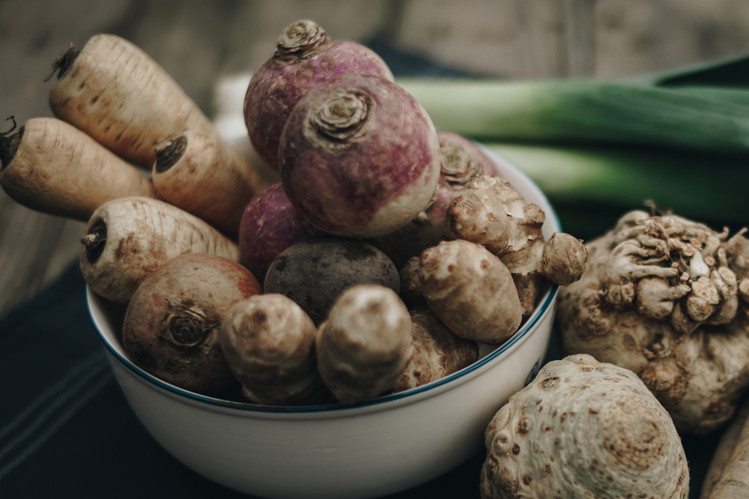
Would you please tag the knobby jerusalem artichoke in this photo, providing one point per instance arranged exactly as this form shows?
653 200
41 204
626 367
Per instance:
491 212
583 428
435 351
365 343
666 297
268 342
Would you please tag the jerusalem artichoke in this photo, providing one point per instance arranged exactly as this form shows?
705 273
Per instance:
435 352
491 212
470 290
365 344
268 341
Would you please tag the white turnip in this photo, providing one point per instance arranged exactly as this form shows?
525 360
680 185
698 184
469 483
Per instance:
305 56
462 160
359 156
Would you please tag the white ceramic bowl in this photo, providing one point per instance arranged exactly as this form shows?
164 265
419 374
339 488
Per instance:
378 447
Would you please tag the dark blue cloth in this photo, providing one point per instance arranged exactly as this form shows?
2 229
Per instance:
67 431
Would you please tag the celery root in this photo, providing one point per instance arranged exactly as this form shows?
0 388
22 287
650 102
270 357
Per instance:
661 296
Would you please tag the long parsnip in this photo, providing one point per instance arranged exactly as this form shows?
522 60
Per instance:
128 238
195 172
52 167
122 97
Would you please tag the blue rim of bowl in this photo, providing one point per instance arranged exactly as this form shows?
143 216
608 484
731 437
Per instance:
525 329
541 309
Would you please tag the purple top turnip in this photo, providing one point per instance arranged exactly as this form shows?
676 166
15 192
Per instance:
462 160
305 56
269 225
359 156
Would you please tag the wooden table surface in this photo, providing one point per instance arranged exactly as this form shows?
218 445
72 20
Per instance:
199 43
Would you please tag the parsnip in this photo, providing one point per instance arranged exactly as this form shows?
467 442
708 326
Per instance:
52 167
724 450
726 477
128 238
196 172
118 94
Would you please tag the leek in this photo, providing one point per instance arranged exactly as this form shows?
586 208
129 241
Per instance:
679 139
583 111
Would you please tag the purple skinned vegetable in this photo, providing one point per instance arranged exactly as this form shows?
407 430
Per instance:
462 160
305 56
268 226
359 156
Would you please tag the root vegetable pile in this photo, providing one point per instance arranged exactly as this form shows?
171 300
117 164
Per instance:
388 253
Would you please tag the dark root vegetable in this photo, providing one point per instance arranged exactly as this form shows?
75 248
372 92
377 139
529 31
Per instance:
359 156
171 325
314 273
269 225
305 56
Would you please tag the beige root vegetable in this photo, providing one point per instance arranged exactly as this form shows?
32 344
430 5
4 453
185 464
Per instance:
123 98
726 476
268 341
198 173
583 428
471 291
128 238
52 167
491 212
171 325
661 296
435 352
364 345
